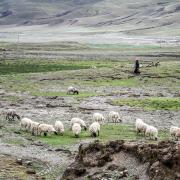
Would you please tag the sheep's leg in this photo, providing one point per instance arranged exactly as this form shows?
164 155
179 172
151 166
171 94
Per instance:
20 126
98 133
108 119
36 131
33 134
172 137
138 131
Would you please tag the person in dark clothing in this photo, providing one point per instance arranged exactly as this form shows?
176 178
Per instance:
136 69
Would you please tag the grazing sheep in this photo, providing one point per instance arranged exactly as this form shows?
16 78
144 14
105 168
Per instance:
34 127
79 121
151 132
46 128
157 64
26 123
11 115
140 126
72 90
76 91
76 129
177 135
98 117
114 117
59 127
94 129
175 132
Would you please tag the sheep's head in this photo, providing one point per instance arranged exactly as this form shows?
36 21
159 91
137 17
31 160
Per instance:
76 92
119 120
18 117
62 132
94 134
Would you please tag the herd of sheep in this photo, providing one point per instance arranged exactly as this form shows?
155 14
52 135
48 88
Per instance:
152 132
77 124
58 128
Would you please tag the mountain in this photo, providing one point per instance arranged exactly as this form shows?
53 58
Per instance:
130 16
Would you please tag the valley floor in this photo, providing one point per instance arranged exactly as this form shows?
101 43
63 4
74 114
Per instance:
36 88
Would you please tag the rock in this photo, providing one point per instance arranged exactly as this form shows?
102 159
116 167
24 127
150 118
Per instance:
30 171
80 171
167 160
49 149
154 165
19 161
37 143
17 132
101 163
112 167
178 175
160 94
28 163
71 172
29 139
63 150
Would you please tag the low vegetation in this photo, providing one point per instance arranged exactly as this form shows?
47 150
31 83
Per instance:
37 65
153 103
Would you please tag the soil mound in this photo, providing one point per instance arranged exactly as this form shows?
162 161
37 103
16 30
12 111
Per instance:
124 160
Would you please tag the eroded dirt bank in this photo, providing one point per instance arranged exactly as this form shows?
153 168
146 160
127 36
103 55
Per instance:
126 160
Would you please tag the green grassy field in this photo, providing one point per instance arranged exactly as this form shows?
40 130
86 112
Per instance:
34 66
26 75
108 132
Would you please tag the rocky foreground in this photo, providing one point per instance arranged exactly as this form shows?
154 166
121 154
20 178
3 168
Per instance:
126 160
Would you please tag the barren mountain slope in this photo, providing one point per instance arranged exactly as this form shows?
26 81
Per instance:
123 15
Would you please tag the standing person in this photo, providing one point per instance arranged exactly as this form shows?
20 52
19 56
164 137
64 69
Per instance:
136 67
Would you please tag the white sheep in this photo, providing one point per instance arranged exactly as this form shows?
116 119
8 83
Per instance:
94 129
140 126
46 129
34 127
59 127
76 129
175 132
72 90
98 117
79 121
177 135
151 132
11 114
26 123
114 117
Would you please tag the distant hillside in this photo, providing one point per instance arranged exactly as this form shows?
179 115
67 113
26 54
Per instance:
131 16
